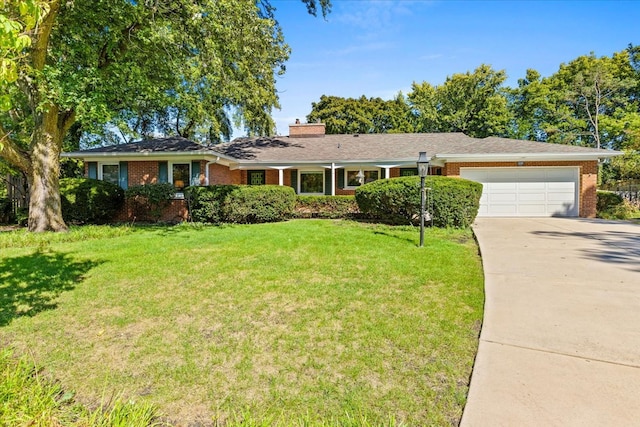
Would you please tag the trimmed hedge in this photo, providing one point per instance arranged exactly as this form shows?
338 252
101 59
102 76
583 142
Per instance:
452 202
241 203
150 200
250 204
326 207
89 201
205 203
610 205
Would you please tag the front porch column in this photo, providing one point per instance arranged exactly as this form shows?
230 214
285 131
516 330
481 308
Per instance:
333 179
387 169
280 173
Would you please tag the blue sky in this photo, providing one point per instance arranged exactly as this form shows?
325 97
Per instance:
377 48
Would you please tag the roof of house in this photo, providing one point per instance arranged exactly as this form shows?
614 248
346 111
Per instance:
172 144
392 147
350 148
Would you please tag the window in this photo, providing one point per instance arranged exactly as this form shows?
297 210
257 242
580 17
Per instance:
311 182
256 178
353 180
408 171
111 173
181 175
433 170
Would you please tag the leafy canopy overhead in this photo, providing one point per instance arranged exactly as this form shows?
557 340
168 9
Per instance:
183 64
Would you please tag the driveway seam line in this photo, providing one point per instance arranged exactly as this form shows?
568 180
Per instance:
628 365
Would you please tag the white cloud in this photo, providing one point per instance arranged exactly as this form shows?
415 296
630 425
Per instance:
432 57
371 14
367 47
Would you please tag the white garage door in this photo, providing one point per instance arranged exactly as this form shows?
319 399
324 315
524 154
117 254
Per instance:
526 191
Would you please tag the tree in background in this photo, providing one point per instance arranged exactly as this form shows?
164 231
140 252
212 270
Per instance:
362 115
528 104
587 102
103 62
472 103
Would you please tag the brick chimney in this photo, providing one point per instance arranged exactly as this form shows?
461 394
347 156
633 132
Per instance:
306 130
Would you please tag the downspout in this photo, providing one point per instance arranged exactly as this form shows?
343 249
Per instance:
207 169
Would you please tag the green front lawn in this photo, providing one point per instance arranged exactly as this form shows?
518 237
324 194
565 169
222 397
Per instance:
305 321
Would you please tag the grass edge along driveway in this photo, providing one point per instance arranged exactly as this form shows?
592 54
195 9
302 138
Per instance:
306 321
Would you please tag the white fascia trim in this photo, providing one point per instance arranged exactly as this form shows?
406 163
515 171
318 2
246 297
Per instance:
515 157
132 157
326 164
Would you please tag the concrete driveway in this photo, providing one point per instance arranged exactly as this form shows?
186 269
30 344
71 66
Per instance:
560 342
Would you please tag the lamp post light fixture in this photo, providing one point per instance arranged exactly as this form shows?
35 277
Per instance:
360 177
423 170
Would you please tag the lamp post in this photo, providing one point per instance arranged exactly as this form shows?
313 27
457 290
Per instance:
423 169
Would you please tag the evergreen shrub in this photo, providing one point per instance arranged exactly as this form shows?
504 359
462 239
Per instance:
150 200
89 201
610 205
452 202
249 204
333 207
205 203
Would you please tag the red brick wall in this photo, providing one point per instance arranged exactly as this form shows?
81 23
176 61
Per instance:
220 174
588 176
141 173
306 130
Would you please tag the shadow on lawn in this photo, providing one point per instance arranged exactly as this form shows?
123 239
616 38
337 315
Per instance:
30 284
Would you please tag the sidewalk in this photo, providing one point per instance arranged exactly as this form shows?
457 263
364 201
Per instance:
560 342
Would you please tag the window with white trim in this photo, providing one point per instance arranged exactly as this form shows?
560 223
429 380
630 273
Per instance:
311 182
109 172
356 177
180 175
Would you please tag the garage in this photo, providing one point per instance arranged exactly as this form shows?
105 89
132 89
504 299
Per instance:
527 191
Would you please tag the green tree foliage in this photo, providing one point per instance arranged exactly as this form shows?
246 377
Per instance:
113 61
362 115
528 104
588 101
472 103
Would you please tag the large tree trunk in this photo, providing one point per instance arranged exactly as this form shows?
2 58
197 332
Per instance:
45 213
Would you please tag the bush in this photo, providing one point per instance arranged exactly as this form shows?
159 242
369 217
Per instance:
326 207
150 200
452 202
610 205
89 201
259 203
205 203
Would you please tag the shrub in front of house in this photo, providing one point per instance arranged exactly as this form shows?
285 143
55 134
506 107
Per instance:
248 204
150 200
452 202
326 207
610 205
89 201
205 203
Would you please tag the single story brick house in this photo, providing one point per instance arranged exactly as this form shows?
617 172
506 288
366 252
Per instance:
521 178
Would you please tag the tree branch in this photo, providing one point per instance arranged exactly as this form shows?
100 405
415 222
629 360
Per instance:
105 58
42 36
12 152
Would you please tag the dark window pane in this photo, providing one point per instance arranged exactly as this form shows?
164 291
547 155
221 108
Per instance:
256 177
311 182
181 176
111 173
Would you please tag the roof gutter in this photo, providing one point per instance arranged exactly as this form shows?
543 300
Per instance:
515 157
